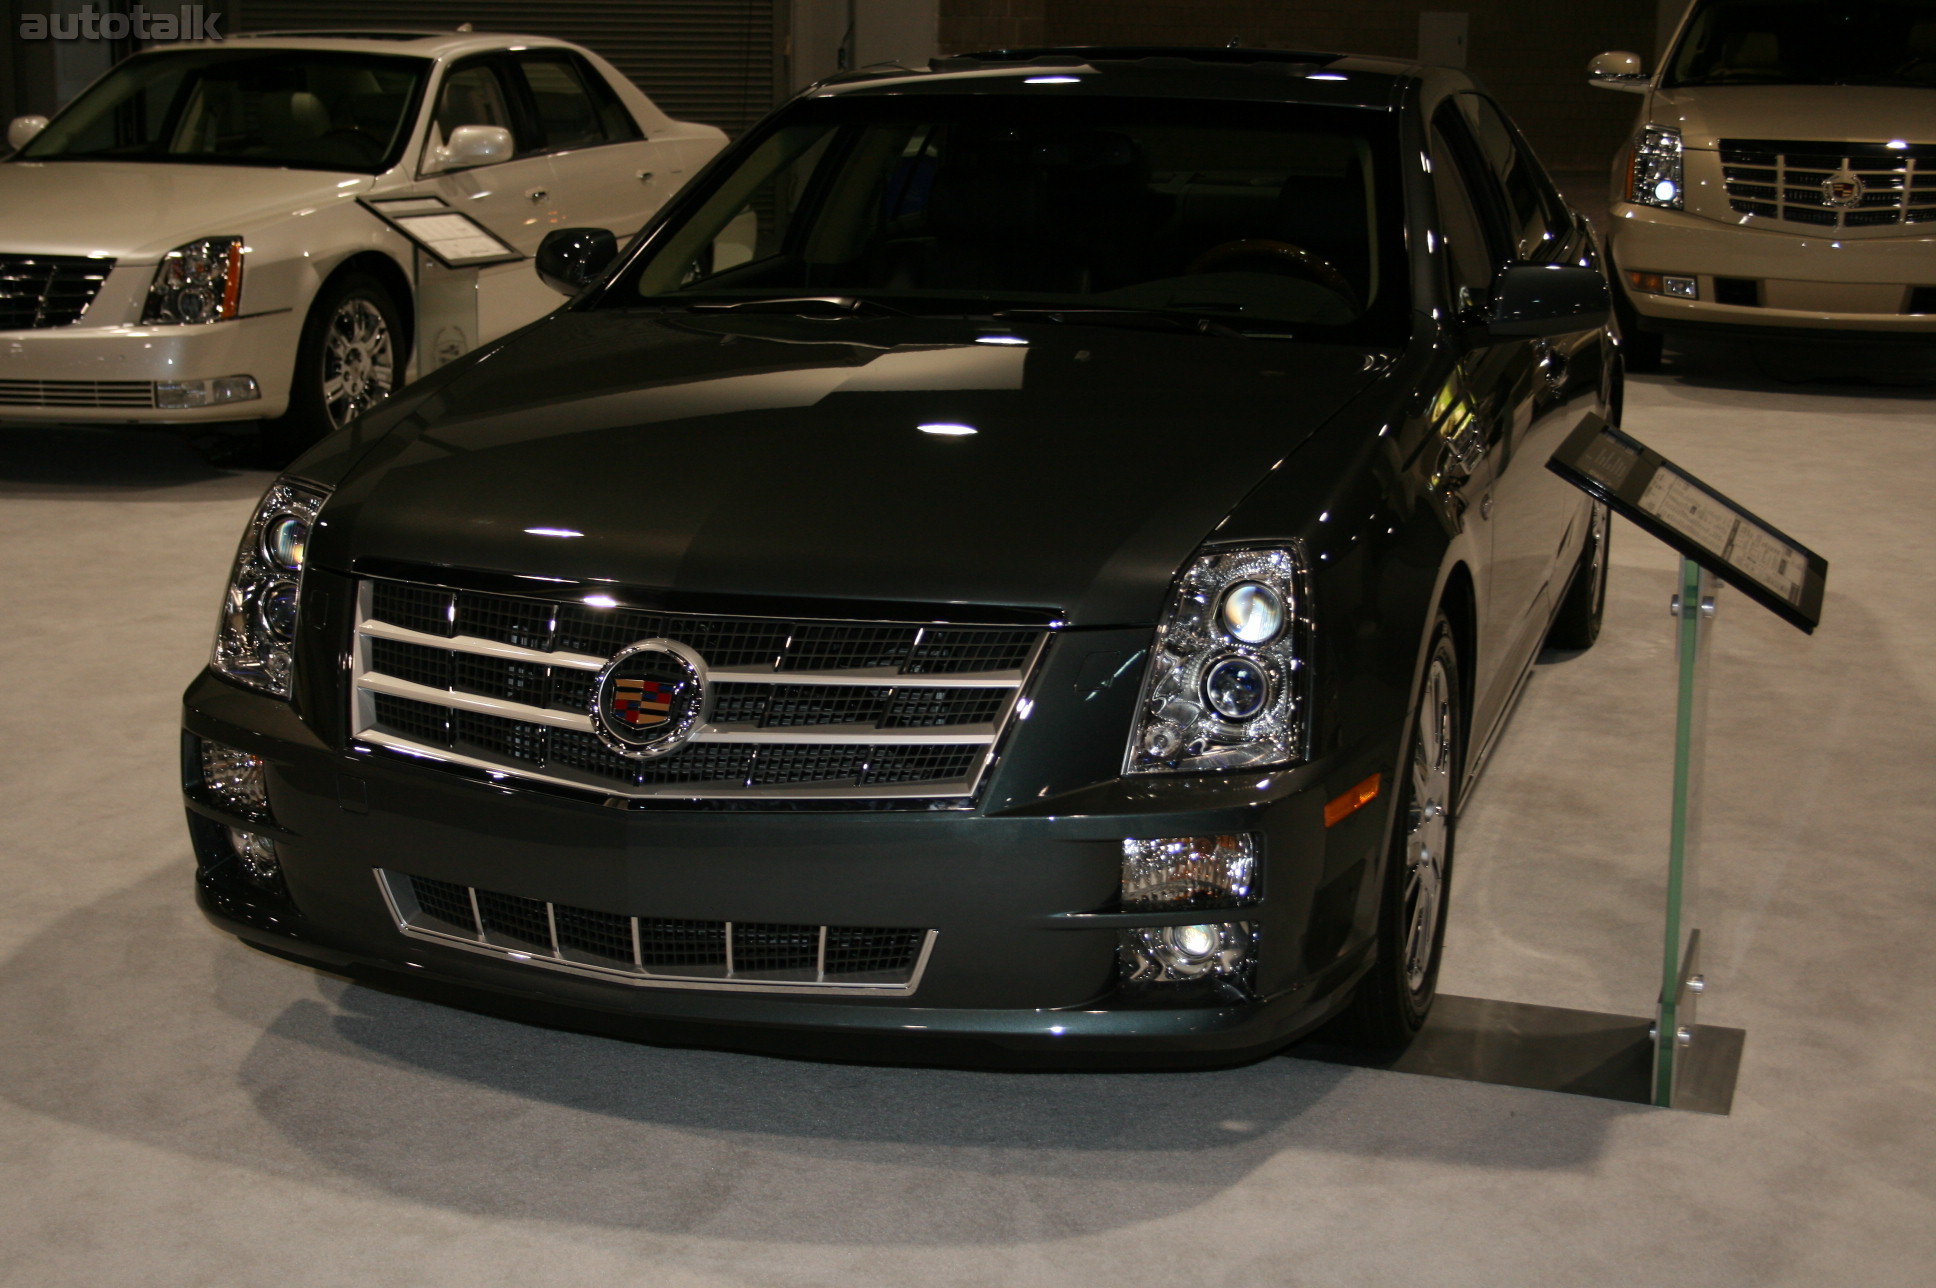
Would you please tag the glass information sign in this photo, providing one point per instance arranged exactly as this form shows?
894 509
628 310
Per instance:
454 239
1767 565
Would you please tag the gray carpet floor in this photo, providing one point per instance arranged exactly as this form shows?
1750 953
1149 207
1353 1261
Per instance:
176 1109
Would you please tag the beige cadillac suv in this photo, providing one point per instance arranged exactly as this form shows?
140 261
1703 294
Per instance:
1781 174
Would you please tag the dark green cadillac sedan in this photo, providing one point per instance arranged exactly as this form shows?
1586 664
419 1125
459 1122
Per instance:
1018 563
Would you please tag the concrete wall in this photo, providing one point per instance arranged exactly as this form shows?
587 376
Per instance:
883 31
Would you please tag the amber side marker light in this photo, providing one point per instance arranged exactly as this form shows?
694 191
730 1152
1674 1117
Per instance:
1343 807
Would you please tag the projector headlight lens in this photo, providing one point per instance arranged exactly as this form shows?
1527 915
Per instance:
1237 688
1226 681
259 613
284 538
1252 613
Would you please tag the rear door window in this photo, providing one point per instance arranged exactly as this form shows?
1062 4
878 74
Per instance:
573 105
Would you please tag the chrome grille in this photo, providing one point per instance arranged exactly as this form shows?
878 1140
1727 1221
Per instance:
659 951
665 952
77 393
800 709
1775 179
48 290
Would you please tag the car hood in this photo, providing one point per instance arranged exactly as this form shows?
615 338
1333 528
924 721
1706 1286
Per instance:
1831 113
784 457
138 211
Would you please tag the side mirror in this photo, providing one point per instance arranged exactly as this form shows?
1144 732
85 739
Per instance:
1617 70
570 259
1545 299
473 145
22 130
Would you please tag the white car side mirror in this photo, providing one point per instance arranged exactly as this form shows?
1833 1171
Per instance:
473 145
23 128
1617 70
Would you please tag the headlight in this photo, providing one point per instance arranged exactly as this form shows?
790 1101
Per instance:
1654 179
258 624
1226 681
199 282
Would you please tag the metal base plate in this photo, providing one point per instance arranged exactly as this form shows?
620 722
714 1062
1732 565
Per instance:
1549 1048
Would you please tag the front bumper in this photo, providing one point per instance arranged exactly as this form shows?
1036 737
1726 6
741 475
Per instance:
1805 281
104 374
1023 968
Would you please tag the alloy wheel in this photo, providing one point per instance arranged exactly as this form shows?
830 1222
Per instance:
359 365
1428 834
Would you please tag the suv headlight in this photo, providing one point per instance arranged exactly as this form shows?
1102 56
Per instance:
258 624
1227 677
199 282
1654 178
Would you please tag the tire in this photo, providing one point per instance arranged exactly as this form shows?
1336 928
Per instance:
1577 624
1393 999
351 356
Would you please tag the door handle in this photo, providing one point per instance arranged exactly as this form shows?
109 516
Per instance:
1552 365
537 195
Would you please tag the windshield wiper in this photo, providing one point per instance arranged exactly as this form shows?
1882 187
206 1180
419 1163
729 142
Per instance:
803 305
1145 319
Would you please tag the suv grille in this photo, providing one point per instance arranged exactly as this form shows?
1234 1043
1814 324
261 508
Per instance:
801 709
48 290
1773 179
660 951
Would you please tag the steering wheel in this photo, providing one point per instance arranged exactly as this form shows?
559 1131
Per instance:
1259 255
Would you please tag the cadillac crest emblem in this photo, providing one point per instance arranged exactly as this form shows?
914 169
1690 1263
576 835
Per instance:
1842 190
649 699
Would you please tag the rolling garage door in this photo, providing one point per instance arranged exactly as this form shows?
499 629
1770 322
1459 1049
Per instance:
714 61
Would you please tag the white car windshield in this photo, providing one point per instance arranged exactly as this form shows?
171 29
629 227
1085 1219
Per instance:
303 109
1808 42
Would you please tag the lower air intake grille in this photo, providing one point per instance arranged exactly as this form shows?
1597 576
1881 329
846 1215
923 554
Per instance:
657 951
76 393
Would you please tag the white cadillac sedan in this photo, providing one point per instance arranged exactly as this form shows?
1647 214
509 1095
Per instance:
286 227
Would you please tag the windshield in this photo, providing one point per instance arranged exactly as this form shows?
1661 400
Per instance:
1807 42
1254 215
308 110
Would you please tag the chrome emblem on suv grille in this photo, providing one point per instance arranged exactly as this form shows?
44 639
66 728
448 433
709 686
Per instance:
649 699
1842 189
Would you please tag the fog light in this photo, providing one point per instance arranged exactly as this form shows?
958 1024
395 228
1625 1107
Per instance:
256 853
177 394
1180 954
1686 288
234 780
1189 872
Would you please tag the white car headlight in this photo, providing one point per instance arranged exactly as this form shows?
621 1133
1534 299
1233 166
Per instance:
258 623
199 282
1228 675
1654 179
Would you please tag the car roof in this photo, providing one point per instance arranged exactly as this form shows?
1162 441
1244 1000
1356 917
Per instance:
422 42
1281 75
